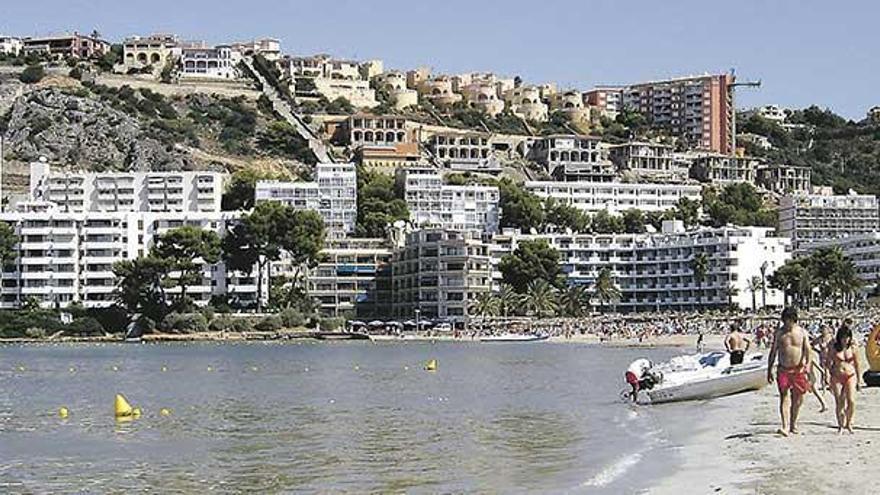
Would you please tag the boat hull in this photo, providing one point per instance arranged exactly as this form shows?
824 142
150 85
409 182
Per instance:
734 382
524 338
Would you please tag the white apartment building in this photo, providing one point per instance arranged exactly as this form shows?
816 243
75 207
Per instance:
810 218
654 272
126 191
438 273
615 197
352 278
333 194
202 62
434 204
864 251
573 157
67 257
10 45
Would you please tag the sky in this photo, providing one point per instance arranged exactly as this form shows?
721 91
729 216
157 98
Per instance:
804 51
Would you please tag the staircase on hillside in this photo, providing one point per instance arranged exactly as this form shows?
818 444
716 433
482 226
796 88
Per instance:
283 108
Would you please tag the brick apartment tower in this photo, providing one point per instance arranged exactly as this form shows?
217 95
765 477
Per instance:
698 109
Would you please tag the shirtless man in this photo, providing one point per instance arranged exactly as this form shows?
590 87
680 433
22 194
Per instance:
736 344
791 346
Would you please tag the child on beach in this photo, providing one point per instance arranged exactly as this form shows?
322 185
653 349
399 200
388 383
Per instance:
844 371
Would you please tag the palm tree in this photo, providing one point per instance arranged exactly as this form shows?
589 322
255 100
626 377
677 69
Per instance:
540 298
485 304
574 301
605 288
753 285
847 282
508 300
730 292
700 267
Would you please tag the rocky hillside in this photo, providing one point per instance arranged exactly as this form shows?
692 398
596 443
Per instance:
101 128
79 131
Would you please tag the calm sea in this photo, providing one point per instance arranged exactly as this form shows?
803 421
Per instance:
339 418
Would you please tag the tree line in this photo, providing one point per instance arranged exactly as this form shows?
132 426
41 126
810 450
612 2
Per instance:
825 276
157 284
738 204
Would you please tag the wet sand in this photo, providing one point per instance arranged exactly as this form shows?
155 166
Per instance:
738 451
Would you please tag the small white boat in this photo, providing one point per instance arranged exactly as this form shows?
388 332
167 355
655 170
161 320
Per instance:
514 337
704 376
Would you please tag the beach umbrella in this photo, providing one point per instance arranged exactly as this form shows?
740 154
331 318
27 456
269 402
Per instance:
409 323
394 324
376 323
356 323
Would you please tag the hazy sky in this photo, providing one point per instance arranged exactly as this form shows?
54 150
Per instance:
804 51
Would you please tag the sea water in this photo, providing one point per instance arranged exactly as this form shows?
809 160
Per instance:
331 417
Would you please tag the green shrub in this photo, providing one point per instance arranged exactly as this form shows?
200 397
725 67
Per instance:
291 318
269 324
331 323
232 324
35 333
184 323
84 327
32 74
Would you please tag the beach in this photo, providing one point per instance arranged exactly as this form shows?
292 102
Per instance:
737 449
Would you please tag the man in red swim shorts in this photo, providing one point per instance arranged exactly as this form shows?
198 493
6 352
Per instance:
792 347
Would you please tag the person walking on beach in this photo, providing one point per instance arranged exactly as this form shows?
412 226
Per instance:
844 370
700 342
791 347
736 344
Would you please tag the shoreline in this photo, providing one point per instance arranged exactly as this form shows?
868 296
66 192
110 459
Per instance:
736 449
674 340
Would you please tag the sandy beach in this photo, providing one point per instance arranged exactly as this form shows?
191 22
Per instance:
736 450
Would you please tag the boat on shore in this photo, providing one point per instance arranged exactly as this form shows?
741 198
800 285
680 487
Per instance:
515 337
703 376
340 336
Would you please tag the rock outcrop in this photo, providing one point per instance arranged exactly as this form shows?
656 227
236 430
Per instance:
80 131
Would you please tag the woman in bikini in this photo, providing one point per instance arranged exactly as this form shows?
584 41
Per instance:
844 372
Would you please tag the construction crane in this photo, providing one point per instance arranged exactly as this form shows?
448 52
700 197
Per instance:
731 91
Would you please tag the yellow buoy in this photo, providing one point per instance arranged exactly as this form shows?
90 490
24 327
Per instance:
124 409
72 369
431 365
164 368
63 413
254 368
21 368
210 368
356 367
165 411
115 368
